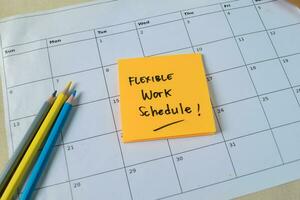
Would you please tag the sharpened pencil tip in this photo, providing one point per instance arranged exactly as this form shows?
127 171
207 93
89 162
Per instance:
68 86
54 93
74 93
72 96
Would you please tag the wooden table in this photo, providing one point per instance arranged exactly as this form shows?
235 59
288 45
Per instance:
290 191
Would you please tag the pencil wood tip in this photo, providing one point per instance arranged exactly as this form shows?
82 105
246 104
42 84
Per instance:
72 96
68 86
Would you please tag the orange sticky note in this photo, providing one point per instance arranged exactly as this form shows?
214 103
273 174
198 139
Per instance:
164 97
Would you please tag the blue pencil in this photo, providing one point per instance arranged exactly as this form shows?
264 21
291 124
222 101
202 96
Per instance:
47 149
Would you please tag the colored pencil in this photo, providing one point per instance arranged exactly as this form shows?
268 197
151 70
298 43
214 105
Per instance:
19 152
43 158
27 161
295 2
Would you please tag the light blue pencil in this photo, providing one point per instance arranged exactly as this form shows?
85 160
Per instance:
43 158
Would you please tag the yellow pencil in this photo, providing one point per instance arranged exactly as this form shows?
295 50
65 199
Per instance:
36 144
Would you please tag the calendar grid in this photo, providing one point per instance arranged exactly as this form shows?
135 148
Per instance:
172 155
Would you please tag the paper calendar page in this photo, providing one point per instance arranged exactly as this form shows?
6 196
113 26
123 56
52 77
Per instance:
251 50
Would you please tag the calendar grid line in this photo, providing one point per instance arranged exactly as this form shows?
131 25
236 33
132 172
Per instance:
61 135
133 21
114 120
255 88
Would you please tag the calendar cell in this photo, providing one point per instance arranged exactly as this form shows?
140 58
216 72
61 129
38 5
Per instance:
281 107
27 67
147 22
24 48
56 169
18 98
236 4
71 62
111 30
229 86
71 38
100 186
288 140
250 23
291 66
201 11
60 191
276 14
286 40
180 145
236 122
91 85
260 73
213 27
95 156
147 151
172 36
112 47
89 120
256 47
196 163
18 130
252 149
153 180
225 50
186 144
112 80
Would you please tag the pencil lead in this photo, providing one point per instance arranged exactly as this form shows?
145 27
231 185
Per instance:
52 98
54 93
74 93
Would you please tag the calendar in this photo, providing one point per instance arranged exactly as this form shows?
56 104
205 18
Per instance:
251 51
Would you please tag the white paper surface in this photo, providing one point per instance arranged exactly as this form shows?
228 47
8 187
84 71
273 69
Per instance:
252 56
